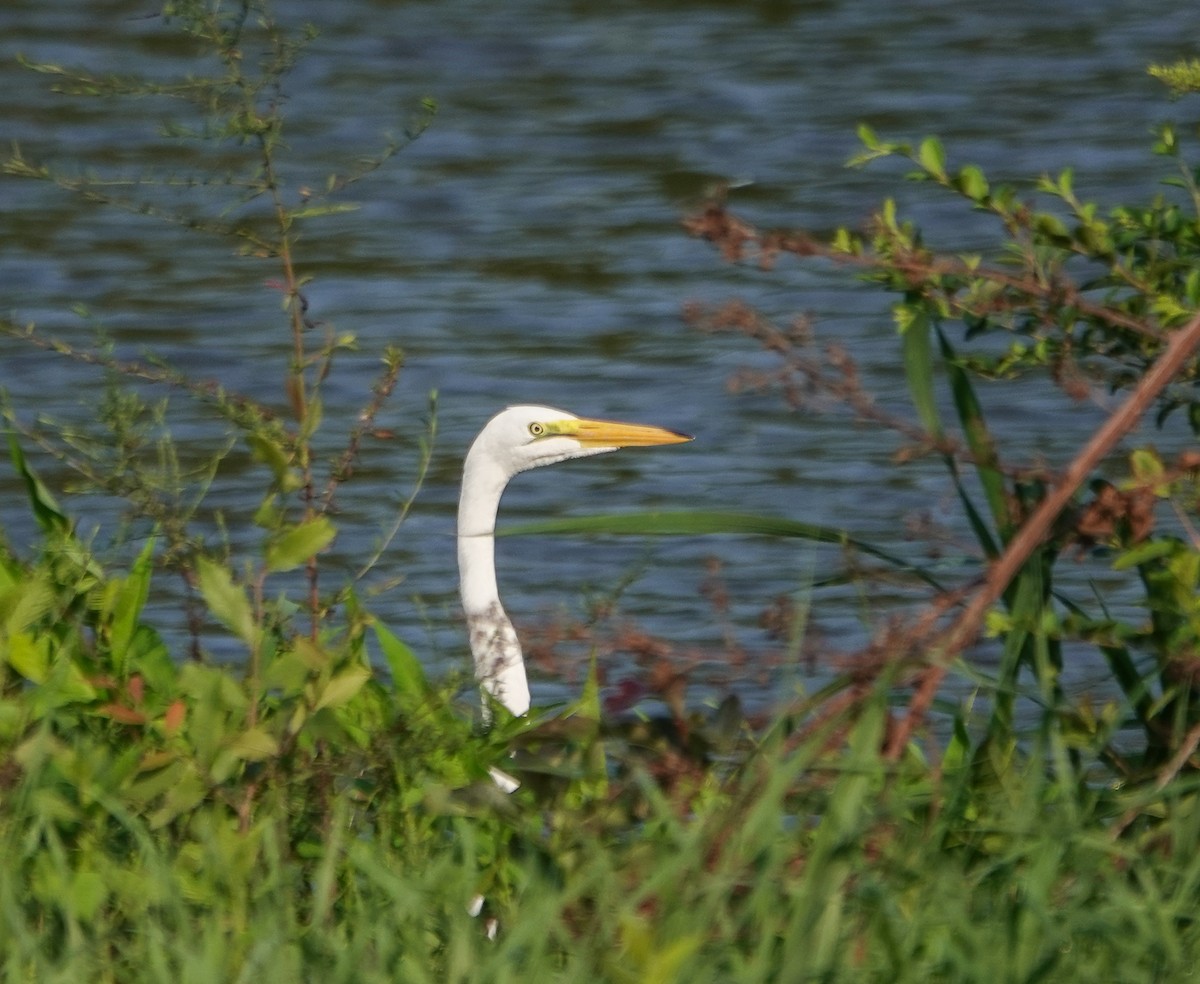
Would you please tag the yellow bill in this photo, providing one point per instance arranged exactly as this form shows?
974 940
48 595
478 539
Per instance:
616 434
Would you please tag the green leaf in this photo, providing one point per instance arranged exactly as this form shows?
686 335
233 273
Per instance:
1051 227
932 157
918 366
332 208
254 745
1144 553
408 675
589 707
297 544
149 656
154 782
700 522
272 452
341 689
1180 76
24 604
87 894
1147 468
312 418
60 681
187 793
132 592
42 503
983 451
29 656
972 183
227 601
13 720
288 672
12 573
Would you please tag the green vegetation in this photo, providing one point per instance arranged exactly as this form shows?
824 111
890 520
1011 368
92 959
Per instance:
317 809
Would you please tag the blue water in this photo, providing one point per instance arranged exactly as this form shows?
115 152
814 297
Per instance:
528 248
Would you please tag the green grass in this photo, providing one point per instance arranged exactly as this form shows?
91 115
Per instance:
810 859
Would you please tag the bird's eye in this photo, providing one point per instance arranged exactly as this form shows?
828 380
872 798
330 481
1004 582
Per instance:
536 429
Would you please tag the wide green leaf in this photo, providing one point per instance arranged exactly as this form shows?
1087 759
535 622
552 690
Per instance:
227 601
25 603
341 688
408 675
41 500
932 157
972 183
298 543
29 655
87 893
254 745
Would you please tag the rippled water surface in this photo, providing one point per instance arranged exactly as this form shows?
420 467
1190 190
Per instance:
527 248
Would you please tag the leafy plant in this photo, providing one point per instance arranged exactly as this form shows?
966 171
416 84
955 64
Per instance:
1083 298
288 813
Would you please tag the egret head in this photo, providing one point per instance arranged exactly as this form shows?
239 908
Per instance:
525 437
513 441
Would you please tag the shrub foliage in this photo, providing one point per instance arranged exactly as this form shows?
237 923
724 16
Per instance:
317 808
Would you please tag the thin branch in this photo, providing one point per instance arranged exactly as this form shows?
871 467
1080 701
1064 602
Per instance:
732 235
1181 347
380 392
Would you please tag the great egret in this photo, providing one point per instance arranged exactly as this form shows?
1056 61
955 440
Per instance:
514 441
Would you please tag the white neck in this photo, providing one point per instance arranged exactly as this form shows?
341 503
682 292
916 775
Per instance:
499 663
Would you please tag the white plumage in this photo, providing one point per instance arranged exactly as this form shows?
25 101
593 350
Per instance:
514 441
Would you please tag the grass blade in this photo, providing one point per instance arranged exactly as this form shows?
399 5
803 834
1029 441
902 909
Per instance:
701 522
979 438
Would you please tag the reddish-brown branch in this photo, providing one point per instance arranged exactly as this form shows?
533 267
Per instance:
736 238
732 235
1181 347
